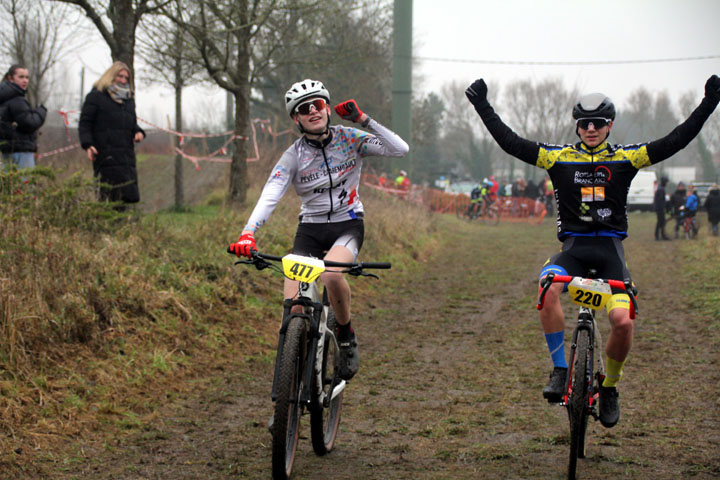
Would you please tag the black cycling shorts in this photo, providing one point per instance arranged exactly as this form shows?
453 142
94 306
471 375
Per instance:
315 239
580 254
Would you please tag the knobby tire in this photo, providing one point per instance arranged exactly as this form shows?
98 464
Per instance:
324 422
578 402
286 428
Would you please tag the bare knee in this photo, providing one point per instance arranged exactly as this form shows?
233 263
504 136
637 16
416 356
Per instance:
620 322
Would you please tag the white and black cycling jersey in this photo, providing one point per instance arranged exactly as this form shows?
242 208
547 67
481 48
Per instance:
326 175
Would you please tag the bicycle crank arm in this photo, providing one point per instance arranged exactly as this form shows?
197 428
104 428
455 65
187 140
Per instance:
337 390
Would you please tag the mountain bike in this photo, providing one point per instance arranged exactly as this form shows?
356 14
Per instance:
306 366
586 370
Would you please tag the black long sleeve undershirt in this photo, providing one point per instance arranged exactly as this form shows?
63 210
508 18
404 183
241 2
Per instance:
658 150
509 141
667 146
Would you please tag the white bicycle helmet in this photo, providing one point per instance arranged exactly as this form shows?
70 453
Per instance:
304 90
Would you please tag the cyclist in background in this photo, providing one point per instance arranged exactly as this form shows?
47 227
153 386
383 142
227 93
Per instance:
475 201
591 180
323 166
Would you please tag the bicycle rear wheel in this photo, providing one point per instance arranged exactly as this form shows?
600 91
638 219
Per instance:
324 421
578 402
286 427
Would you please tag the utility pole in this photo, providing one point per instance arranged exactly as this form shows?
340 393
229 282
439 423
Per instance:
402 74
82 86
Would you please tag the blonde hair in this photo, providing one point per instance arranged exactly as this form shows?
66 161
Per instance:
108 78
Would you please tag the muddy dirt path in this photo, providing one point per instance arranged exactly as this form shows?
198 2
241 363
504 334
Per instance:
453 362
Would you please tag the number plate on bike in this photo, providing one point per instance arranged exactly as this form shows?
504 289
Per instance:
589 293
303 269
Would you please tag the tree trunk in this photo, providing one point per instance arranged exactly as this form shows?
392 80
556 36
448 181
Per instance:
238 168
179 81
124 22
179 194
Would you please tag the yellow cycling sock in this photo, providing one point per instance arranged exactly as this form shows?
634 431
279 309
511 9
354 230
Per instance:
613 372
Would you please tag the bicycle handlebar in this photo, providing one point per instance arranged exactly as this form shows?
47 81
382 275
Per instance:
354 268
553 278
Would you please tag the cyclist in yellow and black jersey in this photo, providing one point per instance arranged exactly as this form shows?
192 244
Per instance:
591 180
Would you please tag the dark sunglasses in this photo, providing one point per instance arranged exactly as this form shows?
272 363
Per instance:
304 108
597 122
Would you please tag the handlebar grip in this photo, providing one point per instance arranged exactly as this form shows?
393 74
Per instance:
378 265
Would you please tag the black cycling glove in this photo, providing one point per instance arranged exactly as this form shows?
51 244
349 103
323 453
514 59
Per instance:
477 92
712 88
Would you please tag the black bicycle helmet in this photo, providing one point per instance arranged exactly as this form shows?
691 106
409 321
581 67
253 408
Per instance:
594 105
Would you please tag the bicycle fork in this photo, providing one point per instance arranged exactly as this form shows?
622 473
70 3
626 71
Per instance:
313 321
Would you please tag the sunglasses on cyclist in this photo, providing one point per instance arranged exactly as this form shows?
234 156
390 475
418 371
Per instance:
597 122
304 108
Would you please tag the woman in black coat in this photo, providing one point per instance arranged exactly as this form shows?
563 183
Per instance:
108 127
19 123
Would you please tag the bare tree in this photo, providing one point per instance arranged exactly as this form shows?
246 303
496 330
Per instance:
468 147
706 145
123 17
348 46
166 48
540 112
37 35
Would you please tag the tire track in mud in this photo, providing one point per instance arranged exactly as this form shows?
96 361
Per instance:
452 364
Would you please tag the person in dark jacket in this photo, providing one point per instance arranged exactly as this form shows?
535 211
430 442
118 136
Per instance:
677 203
712 204
660 205
19 124
108 127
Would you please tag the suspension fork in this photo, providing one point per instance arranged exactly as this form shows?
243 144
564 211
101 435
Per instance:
312 320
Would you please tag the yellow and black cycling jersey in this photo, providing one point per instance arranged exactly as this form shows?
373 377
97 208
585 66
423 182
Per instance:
591 184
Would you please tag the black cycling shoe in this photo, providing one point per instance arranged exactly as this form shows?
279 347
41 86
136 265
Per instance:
349 361
555 388
609 406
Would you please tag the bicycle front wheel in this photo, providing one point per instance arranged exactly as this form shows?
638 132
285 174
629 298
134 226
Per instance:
286 427
325 419
578 402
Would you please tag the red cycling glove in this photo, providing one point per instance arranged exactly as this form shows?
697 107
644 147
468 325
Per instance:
349 110
244 246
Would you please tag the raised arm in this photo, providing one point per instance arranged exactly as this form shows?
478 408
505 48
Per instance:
667 146
509 141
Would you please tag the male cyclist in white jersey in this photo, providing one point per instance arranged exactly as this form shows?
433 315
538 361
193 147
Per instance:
324 169
591 180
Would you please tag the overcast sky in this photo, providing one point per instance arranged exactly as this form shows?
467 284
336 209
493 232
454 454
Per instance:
569 31
458 40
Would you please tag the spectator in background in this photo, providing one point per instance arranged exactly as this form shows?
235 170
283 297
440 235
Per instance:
677 203
549 195
660 206
402 181
692 204
382 180
19 123
108 127
712 204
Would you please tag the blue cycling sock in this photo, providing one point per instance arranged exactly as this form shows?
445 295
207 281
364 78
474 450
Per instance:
556 344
